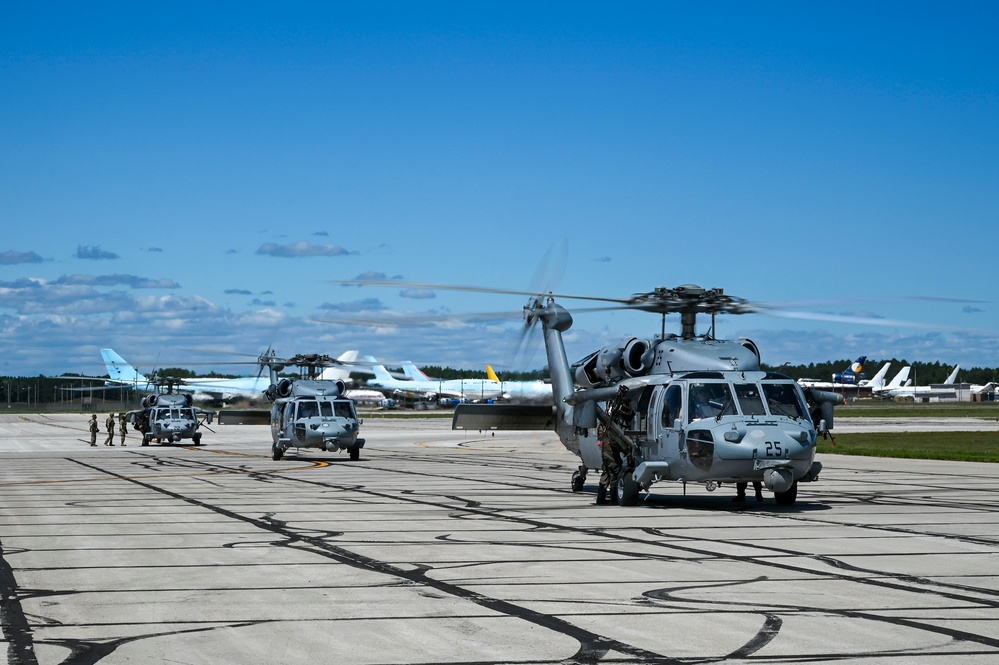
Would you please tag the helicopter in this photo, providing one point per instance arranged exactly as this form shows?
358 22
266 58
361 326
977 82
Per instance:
168 416
310 411
684 407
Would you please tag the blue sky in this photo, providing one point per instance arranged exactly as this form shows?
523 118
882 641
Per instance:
179 178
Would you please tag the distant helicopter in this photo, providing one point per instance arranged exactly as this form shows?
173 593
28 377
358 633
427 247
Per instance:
168 416
644 392
310 412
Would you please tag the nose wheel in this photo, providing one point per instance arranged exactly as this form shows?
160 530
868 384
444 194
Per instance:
578 479
789 497
627 488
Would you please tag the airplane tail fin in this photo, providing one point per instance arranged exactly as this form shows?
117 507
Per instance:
878 381
900 378
119 370
852 373
412 371
491 374
339 373
381 374
953 376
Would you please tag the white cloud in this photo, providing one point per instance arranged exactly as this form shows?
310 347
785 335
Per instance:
13 258
301 249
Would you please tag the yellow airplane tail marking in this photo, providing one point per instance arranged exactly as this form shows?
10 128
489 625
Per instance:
491 374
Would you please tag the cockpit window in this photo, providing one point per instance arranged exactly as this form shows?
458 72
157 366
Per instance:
187 413
308 409
343 409
709 400
749 399
783 400
163 414
327 409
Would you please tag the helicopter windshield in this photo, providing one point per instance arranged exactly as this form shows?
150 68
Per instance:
343 408
187 413
163 414
750 401
783 400
710 400
308 409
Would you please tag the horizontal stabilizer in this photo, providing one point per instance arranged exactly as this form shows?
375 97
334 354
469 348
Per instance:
503 417
244 417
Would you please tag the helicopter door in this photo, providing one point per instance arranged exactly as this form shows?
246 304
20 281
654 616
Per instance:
669 437
287 421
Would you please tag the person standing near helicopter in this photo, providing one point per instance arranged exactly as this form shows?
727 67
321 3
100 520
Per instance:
94 429
740 491
610 467
109 423
122 427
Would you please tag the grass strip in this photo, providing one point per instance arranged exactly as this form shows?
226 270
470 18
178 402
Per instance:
954 446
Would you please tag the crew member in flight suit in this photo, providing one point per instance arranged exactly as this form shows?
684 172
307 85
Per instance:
109 423
740 491
94 429
122 427
610 467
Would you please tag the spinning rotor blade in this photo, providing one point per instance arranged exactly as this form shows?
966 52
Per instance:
471 289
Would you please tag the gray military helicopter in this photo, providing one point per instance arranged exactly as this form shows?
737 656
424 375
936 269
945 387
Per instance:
684 407
168 416
309 411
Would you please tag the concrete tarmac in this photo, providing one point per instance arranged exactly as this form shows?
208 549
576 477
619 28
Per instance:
457 547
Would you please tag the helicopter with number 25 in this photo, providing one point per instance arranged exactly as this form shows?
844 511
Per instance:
682 407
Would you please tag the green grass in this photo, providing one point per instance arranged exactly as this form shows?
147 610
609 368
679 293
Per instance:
954 446
883 409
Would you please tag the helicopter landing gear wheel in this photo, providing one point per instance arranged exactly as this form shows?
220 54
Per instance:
197 439
355 453
145 439
627 488
276 452
578 479
789 497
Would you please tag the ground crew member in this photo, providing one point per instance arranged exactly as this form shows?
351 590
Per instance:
109 423
122 427
94 429
740 491
610 467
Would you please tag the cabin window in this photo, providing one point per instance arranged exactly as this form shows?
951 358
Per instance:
750 400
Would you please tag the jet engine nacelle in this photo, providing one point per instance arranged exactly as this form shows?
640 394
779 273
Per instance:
629 357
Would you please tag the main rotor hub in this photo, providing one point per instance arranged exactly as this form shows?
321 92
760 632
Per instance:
689 298
311 363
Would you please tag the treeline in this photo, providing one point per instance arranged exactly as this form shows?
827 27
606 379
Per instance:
43 389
